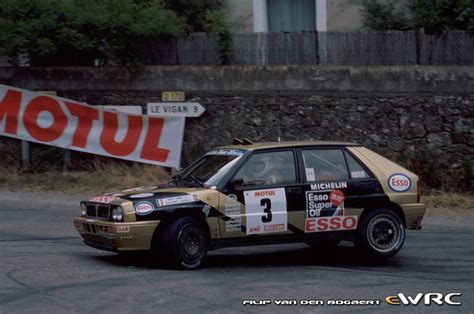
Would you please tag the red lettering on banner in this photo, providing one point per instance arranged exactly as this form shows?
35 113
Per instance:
86 116
30 119
129 143
150 150
9 107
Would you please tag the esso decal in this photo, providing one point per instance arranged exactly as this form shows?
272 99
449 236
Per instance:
144 208
336 197
399 182
335 223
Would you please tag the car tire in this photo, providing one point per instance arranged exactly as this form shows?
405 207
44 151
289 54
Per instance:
183 243
380 233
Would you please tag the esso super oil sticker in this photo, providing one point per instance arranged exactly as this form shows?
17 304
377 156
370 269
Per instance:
324 203
399 182
143 208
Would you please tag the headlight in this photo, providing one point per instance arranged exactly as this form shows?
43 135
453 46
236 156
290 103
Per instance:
83 209
117 213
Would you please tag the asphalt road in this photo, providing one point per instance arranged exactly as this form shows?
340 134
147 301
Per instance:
45 268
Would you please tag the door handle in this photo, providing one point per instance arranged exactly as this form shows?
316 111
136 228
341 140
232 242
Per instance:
294 190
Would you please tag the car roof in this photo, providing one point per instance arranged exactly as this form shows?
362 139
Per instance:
287 144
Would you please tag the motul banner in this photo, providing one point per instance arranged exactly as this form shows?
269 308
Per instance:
69 124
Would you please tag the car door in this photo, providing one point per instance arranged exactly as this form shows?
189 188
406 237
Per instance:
262 197
337 188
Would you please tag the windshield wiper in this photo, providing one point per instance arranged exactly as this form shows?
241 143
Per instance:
193 178
179 178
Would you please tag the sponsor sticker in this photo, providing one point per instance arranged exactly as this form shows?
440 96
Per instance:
335 223
225 152
123 229
328 186
141 195
324 203
336 197
106 199
310 174
358 174
174 200
233 211
143 208
399 182
266 211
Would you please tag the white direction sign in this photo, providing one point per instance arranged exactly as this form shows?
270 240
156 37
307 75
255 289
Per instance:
175 109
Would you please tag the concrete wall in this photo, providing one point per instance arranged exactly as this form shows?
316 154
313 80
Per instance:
303 78
421 117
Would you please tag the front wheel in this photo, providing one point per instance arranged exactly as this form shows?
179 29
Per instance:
185 243
380 234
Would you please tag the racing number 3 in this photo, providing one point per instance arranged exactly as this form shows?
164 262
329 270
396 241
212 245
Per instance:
266 203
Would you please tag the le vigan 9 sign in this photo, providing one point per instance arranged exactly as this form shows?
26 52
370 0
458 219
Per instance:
69 124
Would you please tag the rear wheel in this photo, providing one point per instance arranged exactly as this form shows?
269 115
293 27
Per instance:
184 243
381 233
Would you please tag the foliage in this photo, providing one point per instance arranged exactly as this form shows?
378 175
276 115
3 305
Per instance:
194 12
215 22
434 16
378 16
205 16
80 31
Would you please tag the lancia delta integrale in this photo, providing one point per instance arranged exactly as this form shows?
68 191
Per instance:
319 193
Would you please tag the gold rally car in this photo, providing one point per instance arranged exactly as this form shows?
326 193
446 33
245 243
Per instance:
266 193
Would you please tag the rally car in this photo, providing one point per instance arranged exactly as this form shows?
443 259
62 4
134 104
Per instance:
318 192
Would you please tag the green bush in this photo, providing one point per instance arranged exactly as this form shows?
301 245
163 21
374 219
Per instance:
433 16
79 32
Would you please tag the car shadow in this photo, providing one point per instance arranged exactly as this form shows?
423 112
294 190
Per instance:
261 256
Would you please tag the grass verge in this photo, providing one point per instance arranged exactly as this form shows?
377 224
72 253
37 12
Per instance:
101 177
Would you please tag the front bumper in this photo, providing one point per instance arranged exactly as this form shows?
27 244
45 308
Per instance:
413 215
116 236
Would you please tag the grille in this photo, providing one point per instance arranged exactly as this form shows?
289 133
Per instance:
98 211
96 238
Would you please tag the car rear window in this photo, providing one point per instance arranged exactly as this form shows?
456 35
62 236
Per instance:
324 165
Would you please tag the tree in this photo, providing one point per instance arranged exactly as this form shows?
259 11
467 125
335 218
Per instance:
80 31
434 16
378 16
205 16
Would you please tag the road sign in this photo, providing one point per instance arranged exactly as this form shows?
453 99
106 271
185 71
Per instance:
126 109
173 96
175 109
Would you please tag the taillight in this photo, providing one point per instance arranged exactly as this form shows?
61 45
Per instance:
418 191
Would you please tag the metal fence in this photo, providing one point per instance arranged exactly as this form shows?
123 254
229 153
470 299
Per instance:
326 48
377 48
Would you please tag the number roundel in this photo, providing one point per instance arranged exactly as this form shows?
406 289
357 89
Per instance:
399 182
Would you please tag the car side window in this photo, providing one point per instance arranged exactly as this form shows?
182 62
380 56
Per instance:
269 168
324 165
355 169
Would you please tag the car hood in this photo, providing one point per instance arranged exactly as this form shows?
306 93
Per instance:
160 196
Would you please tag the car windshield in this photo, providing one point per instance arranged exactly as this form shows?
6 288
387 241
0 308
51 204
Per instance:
210 168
